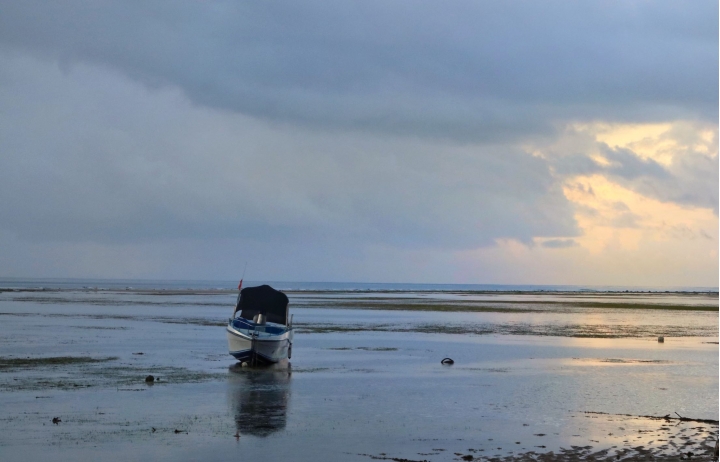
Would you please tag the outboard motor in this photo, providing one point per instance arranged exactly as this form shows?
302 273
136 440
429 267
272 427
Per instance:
259 319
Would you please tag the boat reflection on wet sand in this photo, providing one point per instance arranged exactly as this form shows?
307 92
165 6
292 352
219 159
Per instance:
259 399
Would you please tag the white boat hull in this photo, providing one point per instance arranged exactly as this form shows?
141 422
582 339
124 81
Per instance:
256 346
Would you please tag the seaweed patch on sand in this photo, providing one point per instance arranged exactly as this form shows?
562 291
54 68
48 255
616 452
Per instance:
302 370
317 328
196 321
502 306
364 348
546 330
74 372
111 302
163 375
54 361
511 302
620 361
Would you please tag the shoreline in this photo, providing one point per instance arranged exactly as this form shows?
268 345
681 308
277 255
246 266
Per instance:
496 301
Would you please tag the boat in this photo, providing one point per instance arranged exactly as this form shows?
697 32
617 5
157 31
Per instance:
260 331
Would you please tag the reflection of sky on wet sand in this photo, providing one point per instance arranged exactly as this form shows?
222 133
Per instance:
620 435
364 392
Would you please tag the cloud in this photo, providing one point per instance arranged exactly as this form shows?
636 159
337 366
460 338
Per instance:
625 220
90 155
628 166
465 71
364 140
620 206
559 243
690 179
616 162
690 176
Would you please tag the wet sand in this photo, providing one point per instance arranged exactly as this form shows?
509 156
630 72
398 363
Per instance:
549 380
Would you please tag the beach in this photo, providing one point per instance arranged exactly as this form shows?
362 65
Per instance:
556 375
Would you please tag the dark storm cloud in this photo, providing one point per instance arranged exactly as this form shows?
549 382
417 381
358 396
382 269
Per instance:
90 155
465 70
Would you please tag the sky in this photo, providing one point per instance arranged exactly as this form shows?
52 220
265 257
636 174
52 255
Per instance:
522 142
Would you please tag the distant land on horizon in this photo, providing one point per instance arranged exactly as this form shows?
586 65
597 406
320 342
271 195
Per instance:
80 283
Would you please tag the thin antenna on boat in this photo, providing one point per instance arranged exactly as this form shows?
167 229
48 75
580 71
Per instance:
241 280
237 302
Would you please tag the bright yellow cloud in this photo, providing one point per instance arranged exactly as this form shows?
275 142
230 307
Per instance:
660 142
611 215
608 211
627 238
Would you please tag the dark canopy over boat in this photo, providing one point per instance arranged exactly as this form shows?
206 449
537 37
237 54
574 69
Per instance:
264 300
